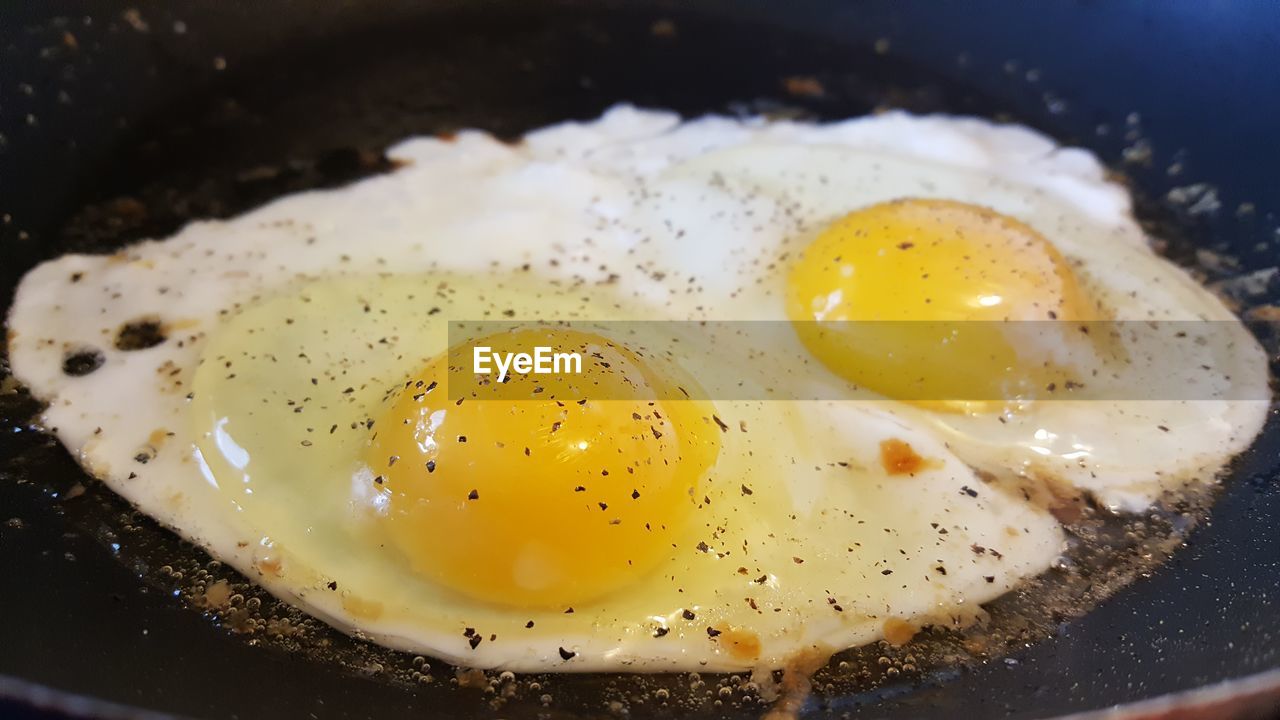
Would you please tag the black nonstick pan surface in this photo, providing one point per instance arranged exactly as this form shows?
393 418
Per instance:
121 121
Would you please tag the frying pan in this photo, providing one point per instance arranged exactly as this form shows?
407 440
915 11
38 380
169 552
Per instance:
120 121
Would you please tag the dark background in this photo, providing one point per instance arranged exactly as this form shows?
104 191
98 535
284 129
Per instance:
173 118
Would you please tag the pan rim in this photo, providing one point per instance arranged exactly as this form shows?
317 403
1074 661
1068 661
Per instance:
1233 696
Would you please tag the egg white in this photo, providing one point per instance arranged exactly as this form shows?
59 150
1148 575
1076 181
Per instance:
801 539
632 216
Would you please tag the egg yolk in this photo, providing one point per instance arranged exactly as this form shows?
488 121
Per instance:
546 489
912 299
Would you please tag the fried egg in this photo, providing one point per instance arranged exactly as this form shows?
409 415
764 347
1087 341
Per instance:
274 386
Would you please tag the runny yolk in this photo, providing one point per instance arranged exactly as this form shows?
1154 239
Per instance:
546 490
912 298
